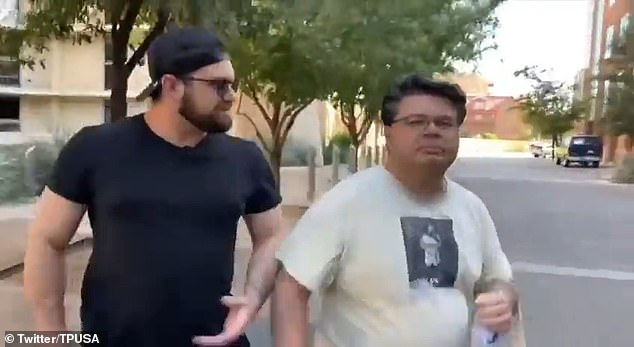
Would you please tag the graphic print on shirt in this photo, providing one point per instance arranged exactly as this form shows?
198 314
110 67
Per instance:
431 250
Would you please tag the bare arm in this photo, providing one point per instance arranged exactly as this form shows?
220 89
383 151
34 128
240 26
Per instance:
55 224
290 313
267 230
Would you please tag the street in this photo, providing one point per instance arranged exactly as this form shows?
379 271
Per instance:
571 242
567 232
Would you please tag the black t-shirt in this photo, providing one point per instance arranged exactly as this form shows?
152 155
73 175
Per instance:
164 222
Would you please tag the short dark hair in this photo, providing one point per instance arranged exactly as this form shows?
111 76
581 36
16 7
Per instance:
416 84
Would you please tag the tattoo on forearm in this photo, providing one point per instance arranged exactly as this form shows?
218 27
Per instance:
261 272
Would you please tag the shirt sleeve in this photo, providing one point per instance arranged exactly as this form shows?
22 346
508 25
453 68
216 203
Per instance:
70 176
495 263
264 194
312 251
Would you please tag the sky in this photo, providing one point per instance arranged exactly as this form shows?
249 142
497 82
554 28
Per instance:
553 34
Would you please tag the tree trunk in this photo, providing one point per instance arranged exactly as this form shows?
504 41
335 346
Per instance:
275 161
554 145
354 161
118 96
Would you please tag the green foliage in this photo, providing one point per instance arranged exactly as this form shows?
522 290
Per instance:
295 153
625 171
341 140
13 183
366 45
619 115
275 72
549 108
24 168
132 24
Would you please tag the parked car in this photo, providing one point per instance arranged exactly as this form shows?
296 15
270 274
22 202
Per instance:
580 149
541 149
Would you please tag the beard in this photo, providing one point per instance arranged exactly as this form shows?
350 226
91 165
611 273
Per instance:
216 121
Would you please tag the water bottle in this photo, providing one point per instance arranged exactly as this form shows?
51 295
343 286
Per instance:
482 337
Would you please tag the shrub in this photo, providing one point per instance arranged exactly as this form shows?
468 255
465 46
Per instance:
625 171
295 153
13 183
343 141
24 168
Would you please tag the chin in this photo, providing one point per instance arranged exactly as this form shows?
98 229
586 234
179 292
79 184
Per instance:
433 161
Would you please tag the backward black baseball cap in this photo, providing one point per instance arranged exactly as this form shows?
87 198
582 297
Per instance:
182 50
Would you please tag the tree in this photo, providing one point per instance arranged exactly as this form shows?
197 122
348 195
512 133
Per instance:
367 45
259 39
131 24
619 115
276 73
619 94
549 108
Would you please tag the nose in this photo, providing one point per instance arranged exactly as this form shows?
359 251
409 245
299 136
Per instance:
229 95
431 130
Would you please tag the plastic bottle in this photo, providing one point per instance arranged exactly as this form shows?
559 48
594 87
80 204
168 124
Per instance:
482 337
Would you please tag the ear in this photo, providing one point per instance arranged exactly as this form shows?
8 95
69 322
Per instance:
172 87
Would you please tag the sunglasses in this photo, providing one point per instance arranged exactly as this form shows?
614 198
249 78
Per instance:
221 86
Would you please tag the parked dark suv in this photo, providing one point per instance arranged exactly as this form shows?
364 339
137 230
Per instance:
582 149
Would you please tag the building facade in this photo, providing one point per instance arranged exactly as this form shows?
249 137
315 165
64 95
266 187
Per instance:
71 90
495 115
610 20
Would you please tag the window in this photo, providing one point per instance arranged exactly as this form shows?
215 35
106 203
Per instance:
609 38
586 140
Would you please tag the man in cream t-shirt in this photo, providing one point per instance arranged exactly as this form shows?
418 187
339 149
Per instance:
395 258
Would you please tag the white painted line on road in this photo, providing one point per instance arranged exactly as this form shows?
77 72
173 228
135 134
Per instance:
603 182
572 271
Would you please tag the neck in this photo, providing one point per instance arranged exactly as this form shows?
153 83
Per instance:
172 127
423 182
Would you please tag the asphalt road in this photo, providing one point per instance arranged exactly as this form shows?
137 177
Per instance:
570 237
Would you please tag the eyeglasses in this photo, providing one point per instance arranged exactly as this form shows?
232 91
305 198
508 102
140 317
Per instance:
421 122
221 86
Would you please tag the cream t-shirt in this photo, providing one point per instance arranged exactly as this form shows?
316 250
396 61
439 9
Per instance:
391 271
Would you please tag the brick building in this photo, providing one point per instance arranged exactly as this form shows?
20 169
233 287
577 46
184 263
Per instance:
609 22
488 114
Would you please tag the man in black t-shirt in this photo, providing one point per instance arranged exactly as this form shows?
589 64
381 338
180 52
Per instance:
164 191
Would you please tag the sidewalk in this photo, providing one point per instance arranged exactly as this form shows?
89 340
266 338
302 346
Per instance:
14 313
14 223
